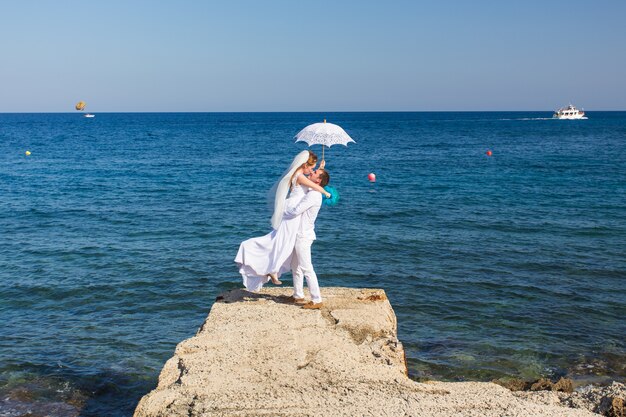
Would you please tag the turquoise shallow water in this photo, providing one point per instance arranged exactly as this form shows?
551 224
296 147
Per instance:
117 233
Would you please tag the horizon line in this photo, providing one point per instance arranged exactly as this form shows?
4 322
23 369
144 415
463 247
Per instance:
300 111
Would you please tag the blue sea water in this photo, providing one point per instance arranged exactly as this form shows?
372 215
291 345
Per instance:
118 232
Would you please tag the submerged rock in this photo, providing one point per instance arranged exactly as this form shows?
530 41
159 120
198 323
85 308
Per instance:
258 355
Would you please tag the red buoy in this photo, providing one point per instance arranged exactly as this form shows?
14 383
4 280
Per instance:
372 177
489 153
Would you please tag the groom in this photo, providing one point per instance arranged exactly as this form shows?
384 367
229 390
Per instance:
301 265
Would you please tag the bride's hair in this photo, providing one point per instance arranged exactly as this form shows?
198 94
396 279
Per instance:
310 162
312 159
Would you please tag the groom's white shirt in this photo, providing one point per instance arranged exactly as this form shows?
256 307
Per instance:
308 207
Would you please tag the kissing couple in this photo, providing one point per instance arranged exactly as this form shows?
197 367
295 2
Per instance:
297 201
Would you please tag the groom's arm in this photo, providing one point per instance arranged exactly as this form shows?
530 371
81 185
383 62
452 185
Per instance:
311 199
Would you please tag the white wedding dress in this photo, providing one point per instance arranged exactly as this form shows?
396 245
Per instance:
259 256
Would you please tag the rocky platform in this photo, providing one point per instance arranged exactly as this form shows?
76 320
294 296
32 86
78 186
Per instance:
257 355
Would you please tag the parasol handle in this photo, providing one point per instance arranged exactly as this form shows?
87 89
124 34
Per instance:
323 146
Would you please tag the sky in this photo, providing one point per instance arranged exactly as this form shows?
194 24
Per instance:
240 56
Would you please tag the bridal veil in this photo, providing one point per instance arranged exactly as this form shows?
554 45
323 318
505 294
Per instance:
278 193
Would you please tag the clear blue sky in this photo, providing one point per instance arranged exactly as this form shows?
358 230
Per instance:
311 56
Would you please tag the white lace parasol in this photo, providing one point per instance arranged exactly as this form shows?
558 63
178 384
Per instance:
325 134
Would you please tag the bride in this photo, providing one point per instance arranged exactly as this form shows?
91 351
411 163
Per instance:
267 257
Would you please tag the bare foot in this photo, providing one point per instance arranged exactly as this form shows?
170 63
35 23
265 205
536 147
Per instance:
274 279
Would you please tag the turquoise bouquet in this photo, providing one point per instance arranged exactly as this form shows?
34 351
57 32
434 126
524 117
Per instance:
334 196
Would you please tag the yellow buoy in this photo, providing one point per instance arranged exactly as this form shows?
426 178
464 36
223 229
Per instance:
27 153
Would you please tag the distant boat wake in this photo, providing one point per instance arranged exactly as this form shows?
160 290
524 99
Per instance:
533 118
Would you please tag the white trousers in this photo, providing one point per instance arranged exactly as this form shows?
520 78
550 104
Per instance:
301 266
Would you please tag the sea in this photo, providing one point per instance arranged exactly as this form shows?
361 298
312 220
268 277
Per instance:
118 232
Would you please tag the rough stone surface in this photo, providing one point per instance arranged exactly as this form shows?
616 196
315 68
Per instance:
608 401
563 385
256 355
542 384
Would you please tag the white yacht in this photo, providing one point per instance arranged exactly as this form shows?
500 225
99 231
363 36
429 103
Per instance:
90 115
569 113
